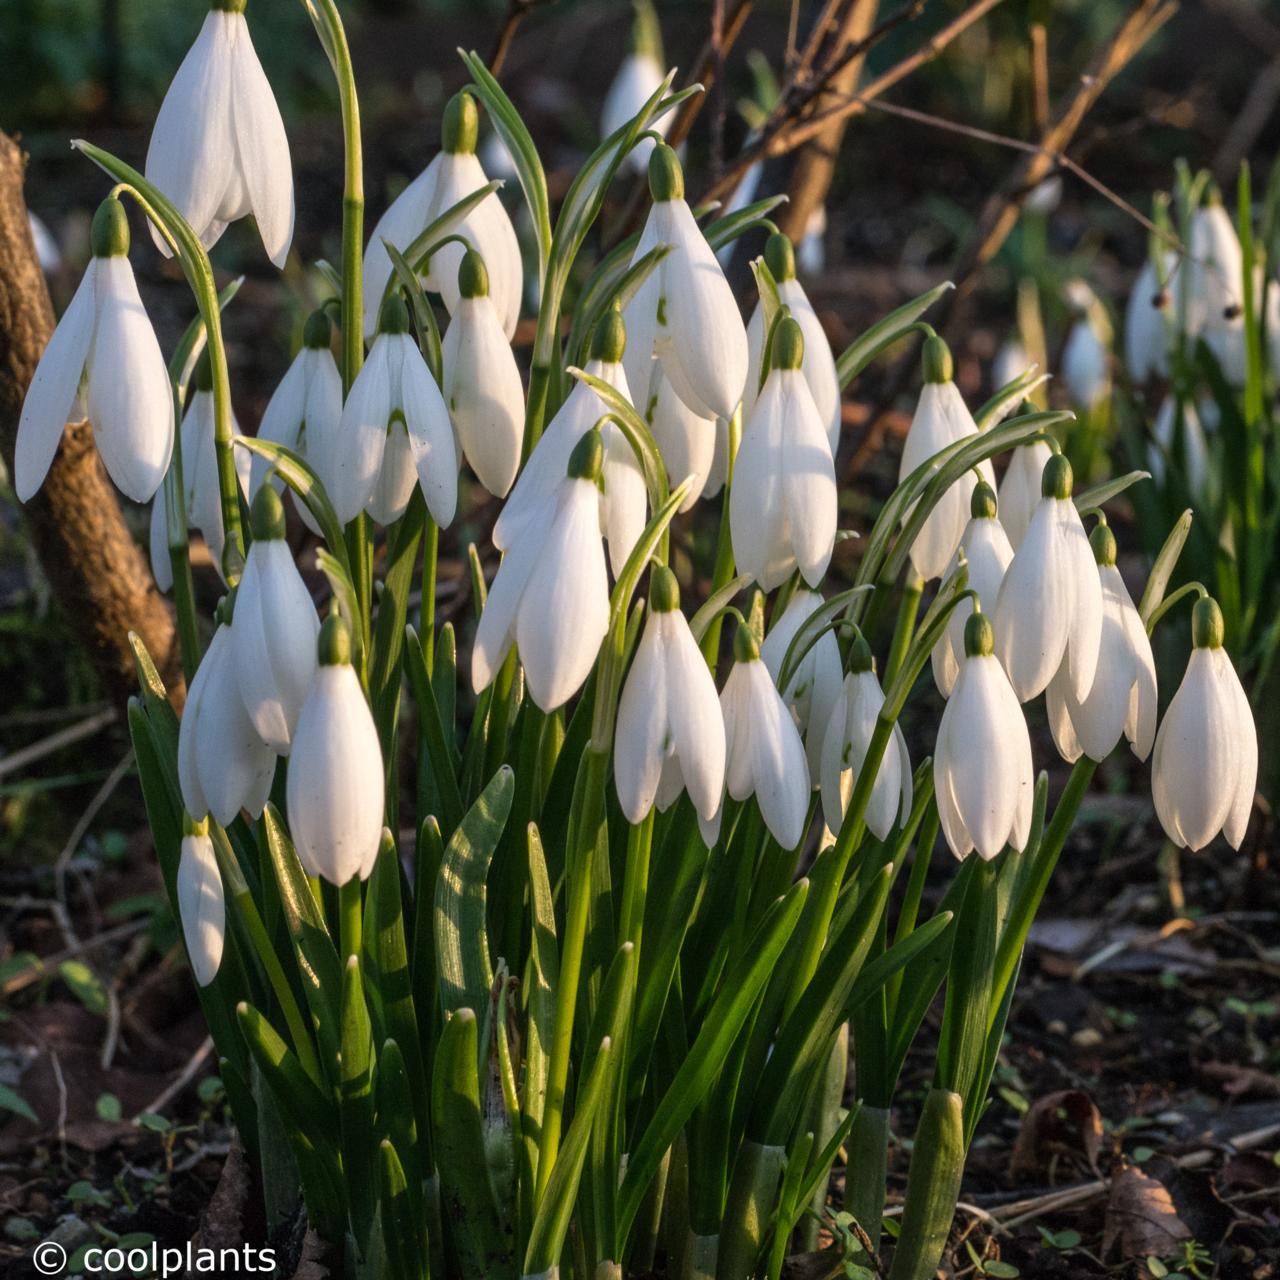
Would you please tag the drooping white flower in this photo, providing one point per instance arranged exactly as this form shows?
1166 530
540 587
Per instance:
819 365
941 419
744 193
1123 697
782 506
218 149
623 500
1086 359
814 684
1049 610
987 554
811 252
202 905
1045 196
1020 489
551 592
1177 433
1146 322
764 755
637 80
1011 362
223 763
1215 267
202 494
982 772
719 472
452 176
48 254
307 405
335 791
849 731
394 428
1205 768
482 385
684 314
670 731
686 440
273 629
105 338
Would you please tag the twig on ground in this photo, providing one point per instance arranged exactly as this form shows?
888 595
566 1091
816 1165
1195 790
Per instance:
180 1081
67 737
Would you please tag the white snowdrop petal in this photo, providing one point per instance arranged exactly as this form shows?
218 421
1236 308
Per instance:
1246 737
819 365
262 147
637 79
642 738
809 480
1085 619
780 770
697 726
832 769
402 221
564 610
1057 701
396 478
686 441
201 906
349 463
430 438
757 500
951 821
282 419
53 388
625 499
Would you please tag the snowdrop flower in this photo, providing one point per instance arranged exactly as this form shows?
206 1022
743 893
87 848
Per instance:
819 365
853 721
637 80
670 734
1049 609
1045 196
106 338
814 685
1011 362
940 420
987 554
200 473
982 766
306 406
1215 266
686 440
551 592
218 149
452 176
811 252
623 501
684 314
782 506
1205 767
202 905
335 791
1187 445
765 756
223 763
482 382
273 629
1086 363
1146 323
394 423
1020 489
1123 697
46 245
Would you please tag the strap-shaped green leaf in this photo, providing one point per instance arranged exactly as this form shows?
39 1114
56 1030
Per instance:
358 1154
461 925
431 733
400 1216
884 333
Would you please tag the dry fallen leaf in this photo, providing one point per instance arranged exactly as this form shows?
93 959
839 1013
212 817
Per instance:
1141 1220
1066 1122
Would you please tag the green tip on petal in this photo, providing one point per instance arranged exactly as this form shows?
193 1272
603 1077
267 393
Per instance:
746 648
225 608
979 639
666 177
780 257
860 658
587 459
334 646
1057 479
394 316
1207 628
664 590
610 338
982 505
937 360
788 345
194 826
266 517
110 235
473 276
461 125
228 6
317 332
1103 542
646 34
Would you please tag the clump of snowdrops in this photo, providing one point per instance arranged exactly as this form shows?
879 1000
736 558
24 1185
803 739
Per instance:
596 1011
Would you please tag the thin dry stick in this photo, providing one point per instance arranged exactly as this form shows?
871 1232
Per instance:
180 1081
85 728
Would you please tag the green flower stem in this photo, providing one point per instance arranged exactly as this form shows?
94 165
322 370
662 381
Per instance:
722 573
350 917
904 629
199 272
595 772
175 514
430 568
635 882
539 387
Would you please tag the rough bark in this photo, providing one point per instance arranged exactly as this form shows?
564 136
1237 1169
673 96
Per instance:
95 568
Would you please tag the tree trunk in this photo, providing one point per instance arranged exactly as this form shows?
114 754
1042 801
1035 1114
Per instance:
96 569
